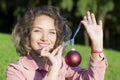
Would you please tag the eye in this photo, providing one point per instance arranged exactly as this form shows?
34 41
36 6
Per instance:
52 32
37 30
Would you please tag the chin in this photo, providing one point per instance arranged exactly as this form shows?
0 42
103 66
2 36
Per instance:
35 51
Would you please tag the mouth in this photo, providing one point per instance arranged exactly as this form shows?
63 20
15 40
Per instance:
42 45
45 45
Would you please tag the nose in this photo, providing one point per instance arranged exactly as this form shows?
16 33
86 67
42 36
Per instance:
44 37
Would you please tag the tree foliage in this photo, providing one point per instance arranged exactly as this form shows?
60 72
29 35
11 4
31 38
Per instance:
106 10
86 5
67 5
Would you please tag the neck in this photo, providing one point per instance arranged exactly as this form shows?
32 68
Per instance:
40 60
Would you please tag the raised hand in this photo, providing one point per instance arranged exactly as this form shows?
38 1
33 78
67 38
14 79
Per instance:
94 30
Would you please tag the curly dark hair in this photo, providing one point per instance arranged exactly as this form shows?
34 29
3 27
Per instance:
22 30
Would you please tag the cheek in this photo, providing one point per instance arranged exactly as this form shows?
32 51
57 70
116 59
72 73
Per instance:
31 41
54 39
33 38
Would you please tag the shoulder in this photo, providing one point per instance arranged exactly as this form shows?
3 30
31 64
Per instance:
14 71
15 66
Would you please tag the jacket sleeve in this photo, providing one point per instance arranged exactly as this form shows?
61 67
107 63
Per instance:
96 71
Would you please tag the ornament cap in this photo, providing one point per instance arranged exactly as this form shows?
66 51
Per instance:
73 49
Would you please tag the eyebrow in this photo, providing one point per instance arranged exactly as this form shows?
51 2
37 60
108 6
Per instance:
42 28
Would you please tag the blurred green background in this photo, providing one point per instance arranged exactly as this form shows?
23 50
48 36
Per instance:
73 10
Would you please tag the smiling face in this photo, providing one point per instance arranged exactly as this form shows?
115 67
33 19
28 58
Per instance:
43 32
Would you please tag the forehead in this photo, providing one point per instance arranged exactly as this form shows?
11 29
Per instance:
44 21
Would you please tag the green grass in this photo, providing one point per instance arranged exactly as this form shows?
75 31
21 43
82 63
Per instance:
8 55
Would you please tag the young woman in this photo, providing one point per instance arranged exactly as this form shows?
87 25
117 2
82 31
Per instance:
38 37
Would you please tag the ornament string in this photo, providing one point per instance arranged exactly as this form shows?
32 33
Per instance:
71 41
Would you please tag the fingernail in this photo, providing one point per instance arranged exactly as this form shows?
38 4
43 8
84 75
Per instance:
92 13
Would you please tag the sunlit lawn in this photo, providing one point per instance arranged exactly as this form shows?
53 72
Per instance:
8 55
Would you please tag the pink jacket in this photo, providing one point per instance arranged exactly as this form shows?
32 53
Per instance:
27 69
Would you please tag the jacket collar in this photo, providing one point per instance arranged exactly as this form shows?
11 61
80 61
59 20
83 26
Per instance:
29 63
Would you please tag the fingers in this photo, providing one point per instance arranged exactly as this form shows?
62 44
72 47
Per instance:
90 19
44 52
84 21
58 51
93 18
100 23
